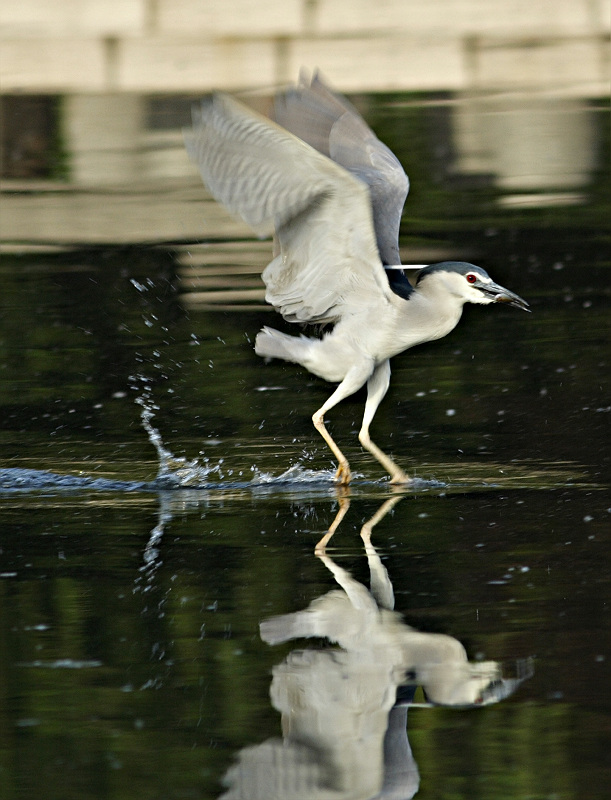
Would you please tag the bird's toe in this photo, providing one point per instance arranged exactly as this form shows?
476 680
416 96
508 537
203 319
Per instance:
400 478
343 474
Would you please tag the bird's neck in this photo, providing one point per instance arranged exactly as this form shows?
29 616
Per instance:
432 315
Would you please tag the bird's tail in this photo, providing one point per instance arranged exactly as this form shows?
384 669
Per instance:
271 343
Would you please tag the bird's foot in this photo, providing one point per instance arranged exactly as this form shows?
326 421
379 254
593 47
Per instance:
343 475
400 478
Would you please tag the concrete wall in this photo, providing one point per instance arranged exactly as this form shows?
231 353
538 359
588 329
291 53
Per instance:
110 46
507 63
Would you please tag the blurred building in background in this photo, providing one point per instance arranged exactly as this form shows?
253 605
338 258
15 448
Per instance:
94 94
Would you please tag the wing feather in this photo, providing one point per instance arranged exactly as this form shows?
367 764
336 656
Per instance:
334 127
328 264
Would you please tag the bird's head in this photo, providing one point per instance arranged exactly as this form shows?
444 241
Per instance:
468 284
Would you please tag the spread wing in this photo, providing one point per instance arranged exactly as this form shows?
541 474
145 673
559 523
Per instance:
328 264
334 127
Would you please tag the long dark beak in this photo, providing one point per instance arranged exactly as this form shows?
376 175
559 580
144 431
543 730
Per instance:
502 295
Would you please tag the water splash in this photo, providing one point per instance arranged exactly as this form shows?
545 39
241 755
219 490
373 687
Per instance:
295 474
174 471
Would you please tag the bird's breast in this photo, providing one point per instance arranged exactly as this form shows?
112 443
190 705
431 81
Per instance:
406 324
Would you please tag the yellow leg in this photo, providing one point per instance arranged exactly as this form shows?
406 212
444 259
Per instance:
343 474
354 379
397 475
377 386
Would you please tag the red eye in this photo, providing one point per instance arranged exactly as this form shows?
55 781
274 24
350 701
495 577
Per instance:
471 278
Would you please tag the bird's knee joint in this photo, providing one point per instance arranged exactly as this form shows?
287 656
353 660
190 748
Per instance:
364 437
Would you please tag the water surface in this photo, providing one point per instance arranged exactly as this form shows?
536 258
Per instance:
162 494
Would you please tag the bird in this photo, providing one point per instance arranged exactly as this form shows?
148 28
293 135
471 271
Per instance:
332 194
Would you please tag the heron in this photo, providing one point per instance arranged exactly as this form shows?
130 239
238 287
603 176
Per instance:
332 194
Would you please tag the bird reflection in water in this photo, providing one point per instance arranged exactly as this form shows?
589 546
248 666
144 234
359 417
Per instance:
344 709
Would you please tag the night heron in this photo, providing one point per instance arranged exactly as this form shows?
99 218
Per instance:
332 194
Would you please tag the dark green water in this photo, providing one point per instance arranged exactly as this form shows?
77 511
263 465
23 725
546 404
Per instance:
132 663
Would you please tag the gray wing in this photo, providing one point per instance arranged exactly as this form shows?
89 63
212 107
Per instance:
328 265
334 127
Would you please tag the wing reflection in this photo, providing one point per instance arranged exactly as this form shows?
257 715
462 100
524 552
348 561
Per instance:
344 709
